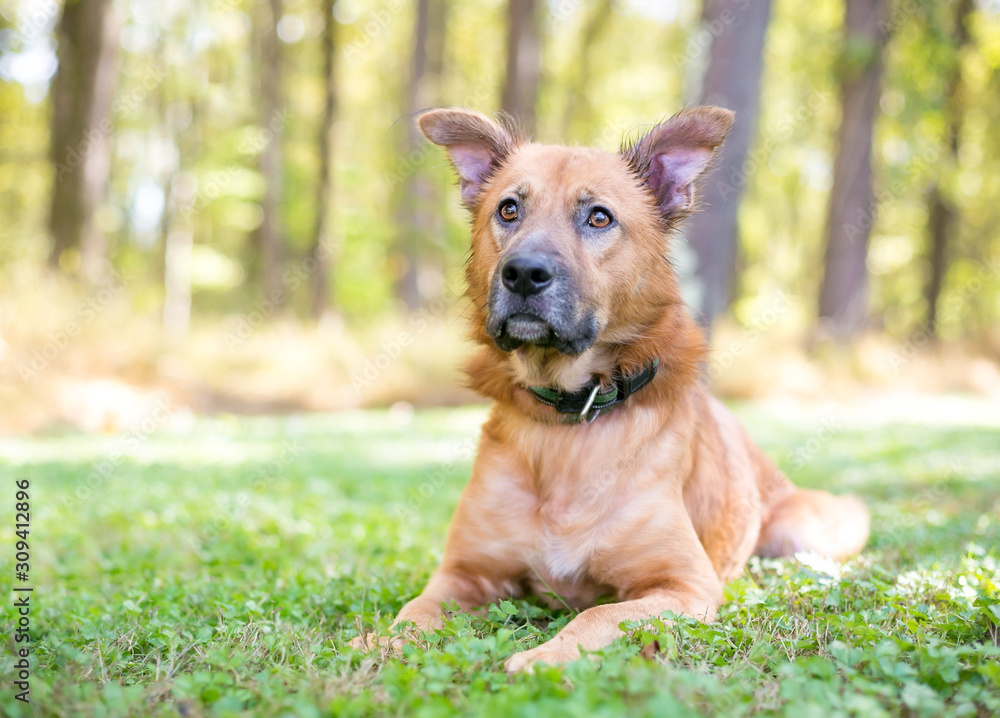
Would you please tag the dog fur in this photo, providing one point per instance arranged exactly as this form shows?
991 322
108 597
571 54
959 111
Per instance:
660 501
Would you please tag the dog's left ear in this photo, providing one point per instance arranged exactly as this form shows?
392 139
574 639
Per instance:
671 156
477 145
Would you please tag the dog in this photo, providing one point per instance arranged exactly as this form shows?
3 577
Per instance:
605 468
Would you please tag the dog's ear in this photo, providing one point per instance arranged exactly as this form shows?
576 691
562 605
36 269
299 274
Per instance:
476 144
671 156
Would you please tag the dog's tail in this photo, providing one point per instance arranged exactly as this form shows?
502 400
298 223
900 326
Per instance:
816 521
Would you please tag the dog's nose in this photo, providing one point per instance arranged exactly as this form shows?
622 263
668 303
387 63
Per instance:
527 273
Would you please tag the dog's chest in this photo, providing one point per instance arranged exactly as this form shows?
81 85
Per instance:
568 535
561 553
589 493
576 533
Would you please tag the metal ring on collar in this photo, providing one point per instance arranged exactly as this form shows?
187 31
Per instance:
590 402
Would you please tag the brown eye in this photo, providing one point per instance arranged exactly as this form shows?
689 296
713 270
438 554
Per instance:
508 211
599 217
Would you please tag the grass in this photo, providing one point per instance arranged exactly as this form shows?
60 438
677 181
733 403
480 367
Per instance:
218 566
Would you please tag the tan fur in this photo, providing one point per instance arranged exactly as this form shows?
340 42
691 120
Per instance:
659 502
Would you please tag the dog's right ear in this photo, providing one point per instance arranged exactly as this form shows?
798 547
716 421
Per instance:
476 144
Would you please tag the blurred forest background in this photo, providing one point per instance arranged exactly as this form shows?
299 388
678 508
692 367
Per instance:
224 205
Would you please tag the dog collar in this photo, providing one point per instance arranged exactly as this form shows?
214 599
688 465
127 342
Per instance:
588 403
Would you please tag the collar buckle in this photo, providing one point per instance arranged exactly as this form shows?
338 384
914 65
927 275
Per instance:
590 402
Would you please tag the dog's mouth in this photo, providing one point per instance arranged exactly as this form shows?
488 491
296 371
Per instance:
526 329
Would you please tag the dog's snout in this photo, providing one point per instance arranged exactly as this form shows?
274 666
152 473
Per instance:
527 273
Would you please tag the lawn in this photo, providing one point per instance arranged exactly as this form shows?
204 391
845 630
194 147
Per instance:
218 566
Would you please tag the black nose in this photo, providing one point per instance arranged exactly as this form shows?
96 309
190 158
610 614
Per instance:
527 273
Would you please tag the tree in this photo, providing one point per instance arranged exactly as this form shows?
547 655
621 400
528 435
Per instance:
579 110
942 216
322 232
732 80
843 298
415 215
524 62
176 232
81 128
268 236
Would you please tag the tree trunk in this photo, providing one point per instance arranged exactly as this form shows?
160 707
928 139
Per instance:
176 224
416 217
322 247
176 237
843 299
178 247
942 216
268 235
82 93
579 110
524 62
732 80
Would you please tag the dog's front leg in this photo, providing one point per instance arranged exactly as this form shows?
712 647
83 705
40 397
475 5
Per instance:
446 586
598 626
426 611
481 560
661 567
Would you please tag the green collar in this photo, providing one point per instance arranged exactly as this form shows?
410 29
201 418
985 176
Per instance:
588 403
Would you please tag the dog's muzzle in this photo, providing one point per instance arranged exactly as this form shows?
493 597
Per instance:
534 301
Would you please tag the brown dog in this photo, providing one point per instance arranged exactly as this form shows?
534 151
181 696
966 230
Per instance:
605 468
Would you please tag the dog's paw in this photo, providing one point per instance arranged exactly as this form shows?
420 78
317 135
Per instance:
368 642
548 653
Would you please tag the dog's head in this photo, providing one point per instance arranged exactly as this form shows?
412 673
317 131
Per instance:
569 256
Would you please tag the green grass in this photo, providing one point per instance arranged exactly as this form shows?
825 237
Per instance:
207 575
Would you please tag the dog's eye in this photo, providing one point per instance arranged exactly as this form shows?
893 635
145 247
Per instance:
599 217
508 211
